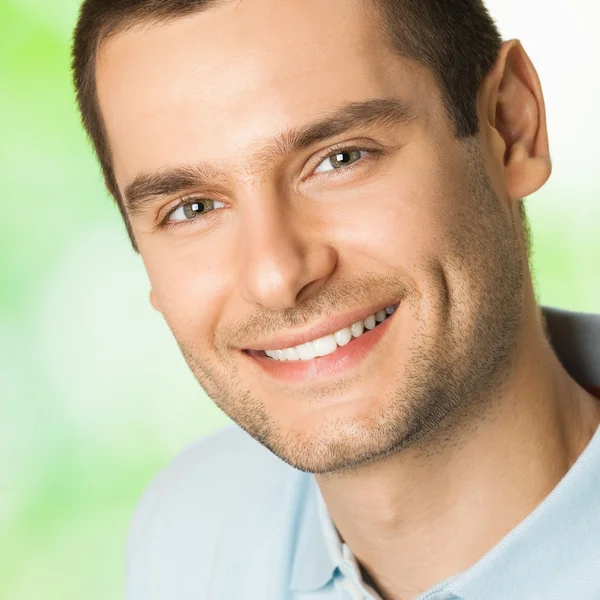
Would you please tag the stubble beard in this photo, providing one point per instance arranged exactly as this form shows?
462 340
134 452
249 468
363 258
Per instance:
451 384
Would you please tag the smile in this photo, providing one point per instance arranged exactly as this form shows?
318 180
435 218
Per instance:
330 343
329 355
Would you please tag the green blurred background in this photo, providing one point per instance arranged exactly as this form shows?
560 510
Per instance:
94 394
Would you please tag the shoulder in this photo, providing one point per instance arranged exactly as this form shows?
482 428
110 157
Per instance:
190 479
199 515
575 337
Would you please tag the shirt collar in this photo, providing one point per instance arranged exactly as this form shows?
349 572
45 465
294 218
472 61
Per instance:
551 553
317 554
567 514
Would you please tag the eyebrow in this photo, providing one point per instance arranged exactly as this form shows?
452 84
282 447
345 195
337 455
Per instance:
380 112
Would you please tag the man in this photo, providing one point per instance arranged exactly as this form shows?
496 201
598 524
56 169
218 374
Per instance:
327 197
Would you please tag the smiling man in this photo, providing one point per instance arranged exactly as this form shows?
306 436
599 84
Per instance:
327 197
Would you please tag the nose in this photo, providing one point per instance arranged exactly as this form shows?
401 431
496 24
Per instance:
284 258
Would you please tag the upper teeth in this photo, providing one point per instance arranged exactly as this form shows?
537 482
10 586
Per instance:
329 343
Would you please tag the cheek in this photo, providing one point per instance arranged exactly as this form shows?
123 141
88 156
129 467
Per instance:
190 290
403 220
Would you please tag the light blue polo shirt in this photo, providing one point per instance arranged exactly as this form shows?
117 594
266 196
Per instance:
228 520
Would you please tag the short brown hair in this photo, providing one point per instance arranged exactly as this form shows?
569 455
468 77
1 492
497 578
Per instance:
456 39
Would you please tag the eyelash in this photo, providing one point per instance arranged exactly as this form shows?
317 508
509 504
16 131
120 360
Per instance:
333 150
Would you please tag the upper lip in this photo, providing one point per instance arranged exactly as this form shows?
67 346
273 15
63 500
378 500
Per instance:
329 325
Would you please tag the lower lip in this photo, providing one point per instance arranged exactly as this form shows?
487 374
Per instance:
343 359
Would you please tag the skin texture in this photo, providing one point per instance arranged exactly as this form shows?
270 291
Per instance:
463 398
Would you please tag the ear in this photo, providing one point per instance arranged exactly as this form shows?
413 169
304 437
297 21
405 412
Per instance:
511 108
154 301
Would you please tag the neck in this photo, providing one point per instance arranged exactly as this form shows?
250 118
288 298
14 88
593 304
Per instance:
427 513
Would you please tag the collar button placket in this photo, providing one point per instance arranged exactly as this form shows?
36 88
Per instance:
353 589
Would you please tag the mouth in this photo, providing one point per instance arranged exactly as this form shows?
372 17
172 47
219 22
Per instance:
327 356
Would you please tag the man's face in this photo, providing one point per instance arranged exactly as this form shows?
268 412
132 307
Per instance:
393 210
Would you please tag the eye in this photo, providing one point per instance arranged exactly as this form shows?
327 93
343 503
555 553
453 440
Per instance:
188 210
340 158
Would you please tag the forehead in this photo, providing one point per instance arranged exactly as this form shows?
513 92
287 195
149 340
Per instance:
217 82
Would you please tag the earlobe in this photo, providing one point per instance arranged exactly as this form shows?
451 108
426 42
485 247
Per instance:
516 111
154 301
